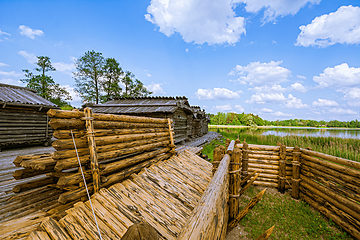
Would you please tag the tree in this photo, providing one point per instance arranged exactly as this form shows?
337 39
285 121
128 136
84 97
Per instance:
133 87
88 78
112 74
44 85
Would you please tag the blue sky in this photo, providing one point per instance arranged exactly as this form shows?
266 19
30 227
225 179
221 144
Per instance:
279 59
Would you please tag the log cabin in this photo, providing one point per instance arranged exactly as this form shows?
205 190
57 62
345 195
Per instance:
23 118
175 108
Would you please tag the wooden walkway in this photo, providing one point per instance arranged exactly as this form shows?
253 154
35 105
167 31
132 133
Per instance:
163 195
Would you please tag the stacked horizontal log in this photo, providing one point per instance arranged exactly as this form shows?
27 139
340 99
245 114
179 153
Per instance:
332 186
266 160
124 145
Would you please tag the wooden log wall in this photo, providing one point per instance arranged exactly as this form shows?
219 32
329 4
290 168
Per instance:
122 145
332 186
266 160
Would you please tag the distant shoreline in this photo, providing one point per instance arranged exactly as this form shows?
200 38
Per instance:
269 127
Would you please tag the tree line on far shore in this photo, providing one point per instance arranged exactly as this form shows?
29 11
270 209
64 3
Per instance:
250 119
97 79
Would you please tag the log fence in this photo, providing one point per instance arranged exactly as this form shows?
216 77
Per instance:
110 148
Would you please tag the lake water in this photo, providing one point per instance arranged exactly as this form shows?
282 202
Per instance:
313 132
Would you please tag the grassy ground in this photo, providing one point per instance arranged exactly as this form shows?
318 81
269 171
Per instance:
294 219
346 148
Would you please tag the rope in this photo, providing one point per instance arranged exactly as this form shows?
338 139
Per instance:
87 191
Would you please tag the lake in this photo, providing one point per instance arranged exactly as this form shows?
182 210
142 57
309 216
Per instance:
303 131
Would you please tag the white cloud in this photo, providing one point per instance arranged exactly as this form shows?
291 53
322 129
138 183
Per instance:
76 99
281 114
66 68
339 76
28 32
156 88
198 21
324 103
3 64
148 74
342 26
276 8
266 97
187 50
11 81
216 94
268 89
221 108
266 110
239 108
341 111
3 33
293 102
256 73
352 95
10 74
299 76
30 57
31 33
298 87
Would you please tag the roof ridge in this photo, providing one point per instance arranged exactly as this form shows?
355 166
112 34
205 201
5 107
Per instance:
19 87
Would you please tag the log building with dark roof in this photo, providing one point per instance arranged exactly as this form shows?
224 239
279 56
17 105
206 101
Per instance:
23 118
175 108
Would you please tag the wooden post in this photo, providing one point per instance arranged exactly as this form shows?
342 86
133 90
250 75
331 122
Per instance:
245 161
170 131
234 187
237 141
282 168
296 173
227 143
216 158
92 148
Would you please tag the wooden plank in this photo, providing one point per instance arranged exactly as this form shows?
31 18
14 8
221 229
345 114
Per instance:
75 230
38 235
54 229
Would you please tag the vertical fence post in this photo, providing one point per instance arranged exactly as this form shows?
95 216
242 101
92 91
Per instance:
234 187
245 161
92 148
227 143
296 173
282 168
216 159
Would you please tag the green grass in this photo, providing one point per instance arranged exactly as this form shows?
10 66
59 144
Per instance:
346 148
293 219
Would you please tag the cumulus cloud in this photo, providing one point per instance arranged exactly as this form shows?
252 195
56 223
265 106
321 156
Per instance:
276 8
268 89
239 108
156 88
342 26
266 110
299 76
341 111
339 76
266 97
3 64
281 114
28 32
221 108
66 68
30 57
256 73
11 81
212 21
10 74
216 94
293 102
298 87
324 103
352 95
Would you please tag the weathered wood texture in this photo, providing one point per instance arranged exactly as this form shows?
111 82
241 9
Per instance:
210 209
162 195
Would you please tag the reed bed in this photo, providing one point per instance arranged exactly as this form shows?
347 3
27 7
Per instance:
346 148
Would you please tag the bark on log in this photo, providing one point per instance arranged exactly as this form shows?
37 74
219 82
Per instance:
242 191
343 169
100 141
234 181
64 124
245 210
338 160
282 168
341 202
19 159
263 156
26 173
329 214
53 113
245 161
296 173
106 148
66 134
33 184
212 201
39 164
